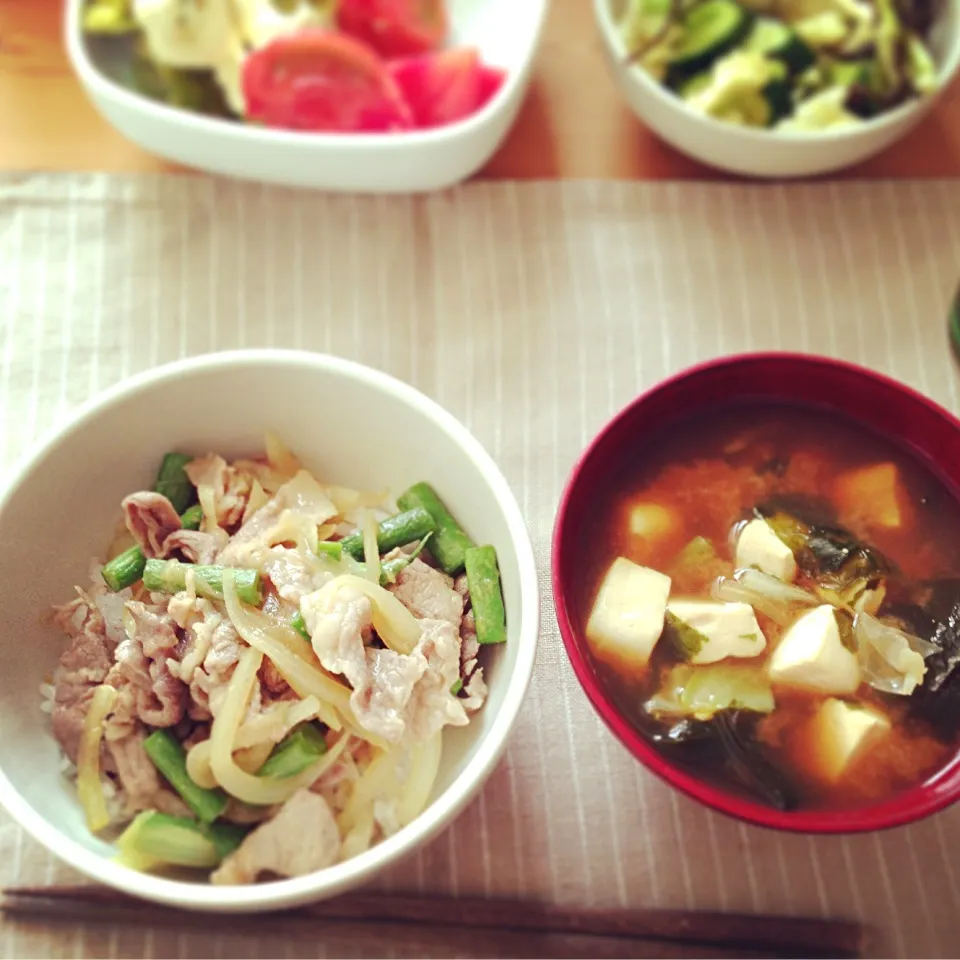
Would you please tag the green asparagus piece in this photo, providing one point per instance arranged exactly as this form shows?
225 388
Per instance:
396 531
298 624
294 753
391 569
170 576
170 759
449 540
125 569
486 596
157 839
173 482
330 548
192 518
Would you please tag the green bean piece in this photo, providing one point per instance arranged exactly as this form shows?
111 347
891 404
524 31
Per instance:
170 576
173 482
192 518
486 595
298 624
457 687
124 570
450 542
156 839
396 531
170 759
294 753
333 549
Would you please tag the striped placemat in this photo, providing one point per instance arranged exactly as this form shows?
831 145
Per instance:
532 312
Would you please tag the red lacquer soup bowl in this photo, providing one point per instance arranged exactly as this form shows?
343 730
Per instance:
919 427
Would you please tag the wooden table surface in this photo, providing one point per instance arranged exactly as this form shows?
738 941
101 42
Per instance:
574 123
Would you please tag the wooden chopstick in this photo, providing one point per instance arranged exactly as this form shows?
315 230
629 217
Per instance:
487 927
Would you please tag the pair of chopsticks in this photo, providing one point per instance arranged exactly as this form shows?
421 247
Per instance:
480 927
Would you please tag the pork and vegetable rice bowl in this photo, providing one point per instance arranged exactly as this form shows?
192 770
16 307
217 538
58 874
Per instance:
256 682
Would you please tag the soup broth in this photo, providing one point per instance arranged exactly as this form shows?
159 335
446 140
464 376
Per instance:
773 668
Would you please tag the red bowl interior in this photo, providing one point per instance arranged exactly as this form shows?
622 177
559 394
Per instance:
916 424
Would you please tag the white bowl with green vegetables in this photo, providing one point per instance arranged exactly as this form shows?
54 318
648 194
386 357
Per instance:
781 88
270 618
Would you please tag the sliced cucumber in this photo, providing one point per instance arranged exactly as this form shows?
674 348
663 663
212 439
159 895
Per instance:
776 40
709 30
694 85
849 73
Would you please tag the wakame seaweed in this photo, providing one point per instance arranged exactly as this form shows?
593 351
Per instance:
821 548
727 740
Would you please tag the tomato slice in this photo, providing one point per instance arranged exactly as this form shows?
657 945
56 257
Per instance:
445 87
322 81
395 28
491 80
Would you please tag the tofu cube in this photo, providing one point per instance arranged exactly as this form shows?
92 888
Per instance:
627 617
871 495
811 655
758 546
727 629
840 733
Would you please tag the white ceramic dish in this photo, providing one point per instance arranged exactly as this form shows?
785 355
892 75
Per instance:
506 32
349 424
764 153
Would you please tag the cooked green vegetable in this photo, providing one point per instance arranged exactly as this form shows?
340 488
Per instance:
170 759
397 531
124 570
330 548
710 28
686 641
716 55
392 568
703 690
776 40
457 687
450 542
298 624
294 753
157 839
173 482
170 576
486 595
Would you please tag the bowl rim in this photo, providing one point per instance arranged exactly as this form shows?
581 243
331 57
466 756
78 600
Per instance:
635 74
445 808
239 133
925 800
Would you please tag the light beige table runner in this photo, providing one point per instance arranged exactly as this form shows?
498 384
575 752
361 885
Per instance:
532 312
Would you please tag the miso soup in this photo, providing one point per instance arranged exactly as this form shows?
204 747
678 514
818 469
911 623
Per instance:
772 595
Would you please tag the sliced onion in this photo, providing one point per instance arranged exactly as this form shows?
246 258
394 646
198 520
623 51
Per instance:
279 456
891 660
236 781
208 503
421 779
280 644
89 785
396 626
258 498
198 765
770 596
371 550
